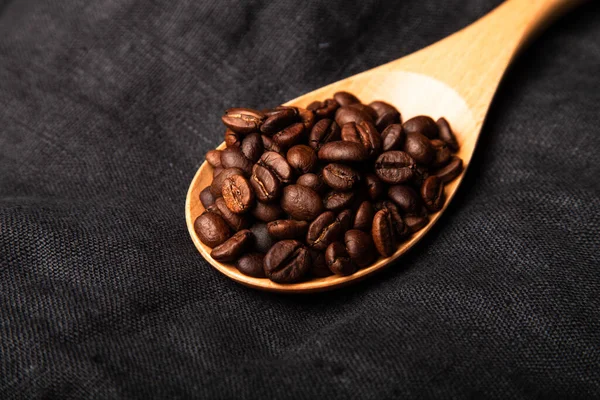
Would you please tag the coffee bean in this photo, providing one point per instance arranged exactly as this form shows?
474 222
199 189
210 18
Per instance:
392 137
347 114
345 98
375 187
243 120
346 220
278 120
340 177
269 144
238 195
432 193
311 181
423 125
266 212
360 245
342 152
364 216
337 201
232 157
206 197
301 203
451 170
234 247
400 229
278 165
235 221
323 230
217 171
302 158
278 109
420 174
265 184
415 223
338 260
394 167
307 118
323 132
289 136
442 153
446 134
262 239
364 109
318 266
213 157
419 148
232 139
406 198
217 184
252 147
383 233
287 261
325 109
251 264
211 229
386 115
287 229
365 134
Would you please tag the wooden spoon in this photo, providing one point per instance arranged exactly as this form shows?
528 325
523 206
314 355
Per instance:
455 78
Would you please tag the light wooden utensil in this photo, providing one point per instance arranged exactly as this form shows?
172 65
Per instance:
455 78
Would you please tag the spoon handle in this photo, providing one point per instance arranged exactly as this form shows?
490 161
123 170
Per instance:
473 60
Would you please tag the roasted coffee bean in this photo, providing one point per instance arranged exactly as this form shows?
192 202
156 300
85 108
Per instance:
324 109
451 170
232 139
375 187
394 167
400 229
217 184
386 115
347 114
266 212
278 165
302 158
346 220
251 264
446 134
217 171
338 260
279 119
287 261
289 136
364 216
274 111
213 157
337 201
423 125
211 229
312 181
432 193
265 184
234 247
415 223
419 148
420 174
345 98
392 137
383 233
262 240
342 152
359 245
307 118
442 153
232 157
206 197
243 120
365 109
269 144
235 221
406 198
301 203
365 134
238 195
318 266
287 229
252 147
323 230
340 177
323 132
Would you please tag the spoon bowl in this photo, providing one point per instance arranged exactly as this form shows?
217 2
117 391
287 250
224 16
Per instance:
455 78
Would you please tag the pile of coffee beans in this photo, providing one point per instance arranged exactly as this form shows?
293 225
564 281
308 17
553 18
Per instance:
300 194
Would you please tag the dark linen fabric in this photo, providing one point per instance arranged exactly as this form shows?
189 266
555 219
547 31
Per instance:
106 111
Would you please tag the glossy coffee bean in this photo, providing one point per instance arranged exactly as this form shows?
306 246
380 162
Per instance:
323 230
375 187
312 181
234 247
324 109
265 184
392 138
386 115
360 247
302 158
266 212
419 148
232 157
287 261
446 134
347 114
289 136
340 177
345 98
211 229
423 125
262 240
269 144
235 221
232 139
337 201
383 233
301 203
342 152
217 171
217 184
308 119
318 266
451 170
213 157
420 174
365 134
400 229
206 197
346 220
251 264
364 109
238 195
442 153
243 120
252 147
324 131
394 167
287 229
279 119
432 193
364 216
338 260
415 223
406 198
278 165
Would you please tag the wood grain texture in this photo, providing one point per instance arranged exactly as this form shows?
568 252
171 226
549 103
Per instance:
455 78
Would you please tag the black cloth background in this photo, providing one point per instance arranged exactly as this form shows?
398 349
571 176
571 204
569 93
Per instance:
106 111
